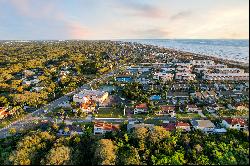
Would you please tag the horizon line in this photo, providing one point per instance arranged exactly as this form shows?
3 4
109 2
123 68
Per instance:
124 39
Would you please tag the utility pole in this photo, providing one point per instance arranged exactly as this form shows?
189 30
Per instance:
124 110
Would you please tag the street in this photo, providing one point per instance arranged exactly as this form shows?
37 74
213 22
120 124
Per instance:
27 120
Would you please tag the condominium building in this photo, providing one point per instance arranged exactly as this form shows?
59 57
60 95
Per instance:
202 62
185 76
229 76
228 70
163 76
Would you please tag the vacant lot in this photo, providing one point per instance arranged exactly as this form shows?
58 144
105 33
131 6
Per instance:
109 113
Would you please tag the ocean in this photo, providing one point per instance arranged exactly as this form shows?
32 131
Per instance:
237 50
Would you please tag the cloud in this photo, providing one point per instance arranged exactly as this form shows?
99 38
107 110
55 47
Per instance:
76 30
135 8
180 15
47 11
151 33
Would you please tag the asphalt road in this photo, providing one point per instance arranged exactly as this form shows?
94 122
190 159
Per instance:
26 121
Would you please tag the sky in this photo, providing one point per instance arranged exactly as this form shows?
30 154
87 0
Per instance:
123 19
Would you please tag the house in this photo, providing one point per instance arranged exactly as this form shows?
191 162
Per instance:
135 124
180 87
197 95
166 110
3 112
234 123
192 108
209 94
141 108
169 126
86 95
71 130
241 106
220 131
203 125
103 127
32 81
28 73
177 125
64 72
88 106
183 126
37 89
178 95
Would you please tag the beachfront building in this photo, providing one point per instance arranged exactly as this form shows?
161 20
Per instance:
234 123
228 70
185 76
103 127
202 62
86 95
228 77
203 125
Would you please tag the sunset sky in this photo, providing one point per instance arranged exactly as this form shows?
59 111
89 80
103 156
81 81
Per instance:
124 19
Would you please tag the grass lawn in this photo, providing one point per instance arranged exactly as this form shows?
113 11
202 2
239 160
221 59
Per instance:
138 116
153 121
187 115
109 113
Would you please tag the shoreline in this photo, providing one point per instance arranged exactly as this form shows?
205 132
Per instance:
228 62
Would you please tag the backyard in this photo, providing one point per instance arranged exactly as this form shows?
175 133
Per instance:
109 112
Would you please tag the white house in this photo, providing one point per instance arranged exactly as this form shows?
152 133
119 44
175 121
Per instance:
85 95
235 123
192 108
204 125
